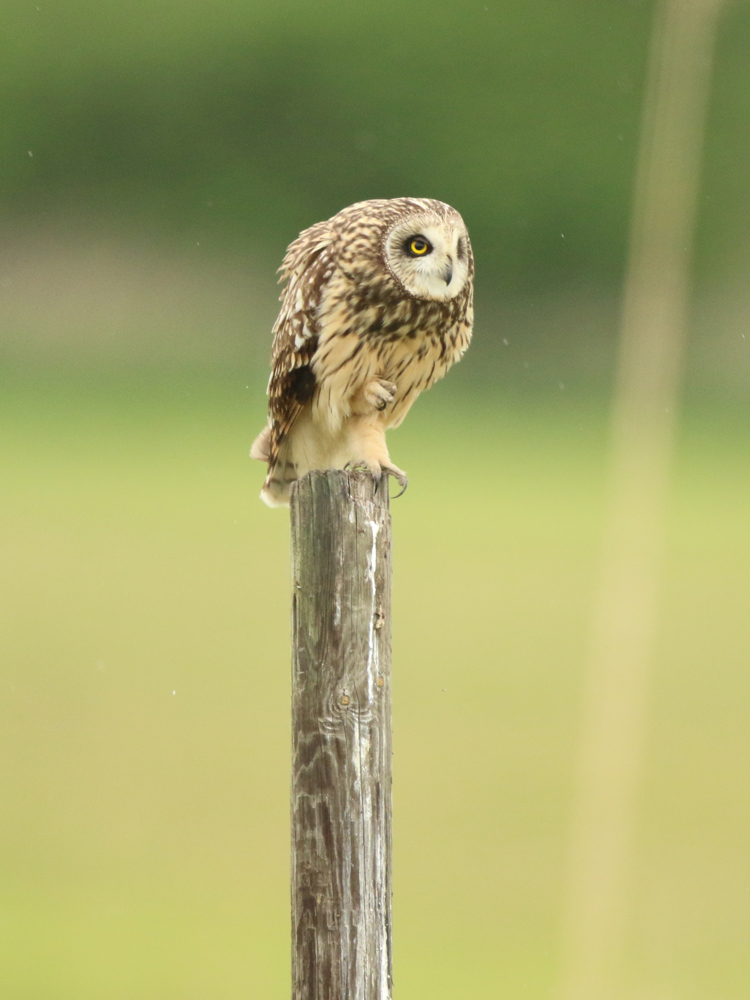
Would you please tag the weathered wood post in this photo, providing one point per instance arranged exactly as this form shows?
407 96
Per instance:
341 738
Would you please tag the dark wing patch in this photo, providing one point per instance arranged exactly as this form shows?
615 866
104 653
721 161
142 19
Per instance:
307 266
302 384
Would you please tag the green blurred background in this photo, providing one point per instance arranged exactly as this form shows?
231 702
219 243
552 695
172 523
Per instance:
155 160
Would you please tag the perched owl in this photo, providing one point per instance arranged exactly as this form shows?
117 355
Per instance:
377 306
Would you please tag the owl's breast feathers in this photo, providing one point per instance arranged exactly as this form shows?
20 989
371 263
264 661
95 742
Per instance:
407 341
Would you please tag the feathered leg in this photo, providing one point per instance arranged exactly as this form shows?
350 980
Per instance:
368 448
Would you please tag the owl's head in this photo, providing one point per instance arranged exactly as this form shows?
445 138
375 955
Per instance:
427 250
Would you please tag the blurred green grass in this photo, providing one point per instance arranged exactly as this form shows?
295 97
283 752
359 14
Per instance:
144 718
236 125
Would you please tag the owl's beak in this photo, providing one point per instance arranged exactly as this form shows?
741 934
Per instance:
448 272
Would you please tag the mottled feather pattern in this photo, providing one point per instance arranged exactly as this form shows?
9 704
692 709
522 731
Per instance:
307 265
363 329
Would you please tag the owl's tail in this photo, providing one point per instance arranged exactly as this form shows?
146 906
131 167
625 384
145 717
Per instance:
278 483
281 474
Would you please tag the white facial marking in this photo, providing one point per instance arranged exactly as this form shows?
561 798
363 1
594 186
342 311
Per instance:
439 274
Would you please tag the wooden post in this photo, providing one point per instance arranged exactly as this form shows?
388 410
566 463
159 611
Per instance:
341 738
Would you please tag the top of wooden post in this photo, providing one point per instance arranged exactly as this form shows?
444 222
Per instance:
359 486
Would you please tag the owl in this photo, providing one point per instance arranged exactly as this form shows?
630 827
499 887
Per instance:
377 305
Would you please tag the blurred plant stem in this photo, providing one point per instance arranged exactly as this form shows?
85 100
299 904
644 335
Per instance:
654 319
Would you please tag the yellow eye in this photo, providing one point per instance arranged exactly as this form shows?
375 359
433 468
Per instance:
418 246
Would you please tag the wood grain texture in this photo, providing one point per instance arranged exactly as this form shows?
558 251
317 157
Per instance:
341 736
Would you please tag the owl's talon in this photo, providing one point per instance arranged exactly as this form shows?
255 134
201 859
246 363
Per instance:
398 474
403 483
378 393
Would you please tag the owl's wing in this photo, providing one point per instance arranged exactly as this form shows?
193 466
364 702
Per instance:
306 268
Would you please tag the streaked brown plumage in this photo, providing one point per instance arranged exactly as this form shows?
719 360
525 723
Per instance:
377 306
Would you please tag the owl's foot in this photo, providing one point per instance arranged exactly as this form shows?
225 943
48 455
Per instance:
379 470
400 475
362 465
378 393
